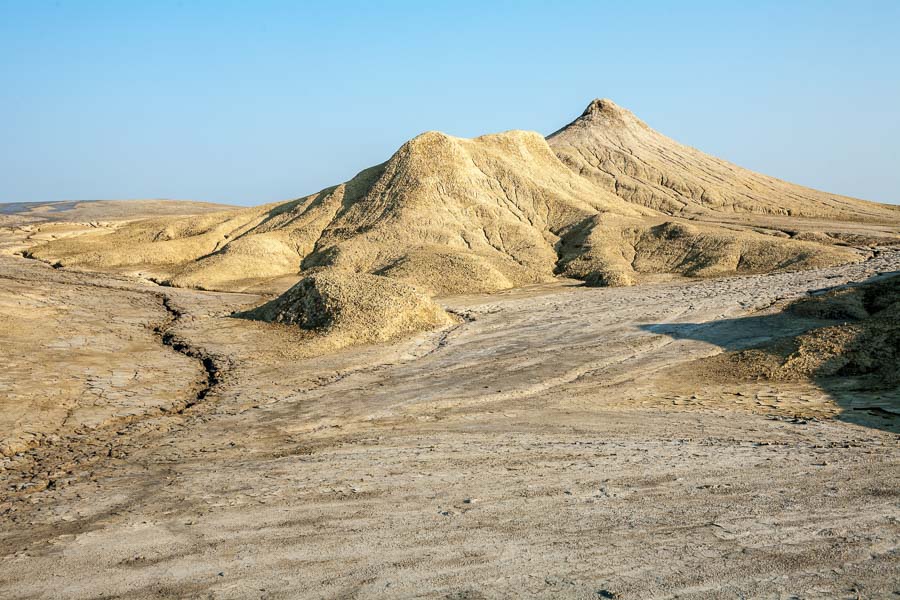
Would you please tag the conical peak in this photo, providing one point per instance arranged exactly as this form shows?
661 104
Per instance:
603 106
604 111
605 114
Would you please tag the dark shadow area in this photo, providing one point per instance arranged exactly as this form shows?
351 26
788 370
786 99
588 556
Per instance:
735 334
845 340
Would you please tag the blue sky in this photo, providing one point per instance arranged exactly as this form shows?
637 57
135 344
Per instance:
251 102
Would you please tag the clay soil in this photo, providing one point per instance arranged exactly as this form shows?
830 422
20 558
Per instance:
553 441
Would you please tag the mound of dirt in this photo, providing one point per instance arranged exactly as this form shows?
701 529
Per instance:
612 251
455 216
864 344
346 308
443 272
448 214
610 146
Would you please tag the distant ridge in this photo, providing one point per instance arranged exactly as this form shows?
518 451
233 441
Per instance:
103 210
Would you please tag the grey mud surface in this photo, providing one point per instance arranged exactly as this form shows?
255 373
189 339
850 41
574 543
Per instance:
533 450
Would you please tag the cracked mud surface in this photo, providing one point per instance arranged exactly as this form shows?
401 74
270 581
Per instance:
533 450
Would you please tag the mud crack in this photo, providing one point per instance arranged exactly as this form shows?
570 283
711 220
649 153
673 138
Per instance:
178 344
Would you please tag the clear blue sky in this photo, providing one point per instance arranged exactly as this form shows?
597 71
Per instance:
251 102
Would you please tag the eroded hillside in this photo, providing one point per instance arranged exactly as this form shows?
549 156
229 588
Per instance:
609 145
606 200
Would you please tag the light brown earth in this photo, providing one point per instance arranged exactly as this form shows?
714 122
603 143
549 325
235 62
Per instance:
539 448
86 211
606 199
854 339
29 224
611 146
400 387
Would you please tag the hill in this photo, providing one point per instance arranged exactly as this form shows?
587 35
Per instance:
610 146
606 200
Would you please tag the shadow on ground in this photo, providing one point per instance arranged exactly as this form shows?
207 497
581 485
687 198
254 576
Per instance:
845 340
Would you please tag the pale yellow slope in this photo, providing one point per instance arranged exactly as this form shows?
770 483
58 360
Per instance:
612 147
448 214
167 243
452 215
342 309
455 215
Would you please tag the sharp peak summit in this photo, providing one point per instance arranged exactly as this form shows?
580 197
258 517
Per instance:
598 109
603 113
606 111
602 106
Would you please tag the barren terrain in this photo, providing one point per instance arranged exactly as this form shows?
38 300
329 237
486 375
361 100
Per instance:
531 449
606 200
595 365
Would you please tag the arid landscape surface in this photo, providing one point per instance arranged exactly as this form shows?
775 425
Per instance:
596 365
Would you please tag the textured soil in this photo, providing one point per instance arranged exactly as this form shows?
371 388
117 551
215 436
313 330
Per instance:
856 341
341 308
555 442
606 200
595 365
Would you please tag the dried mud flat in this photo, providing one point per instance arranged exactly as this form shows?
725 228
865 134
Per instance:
539 448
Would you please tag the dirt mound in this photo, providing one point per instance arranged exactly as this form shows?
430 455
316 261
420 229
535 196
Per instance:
449 214
346 308
498 199
613 148
865 344
443 272
613 251
453 215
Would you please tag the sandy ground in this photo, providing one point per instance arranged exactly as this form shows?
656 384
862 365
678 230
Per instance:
541 448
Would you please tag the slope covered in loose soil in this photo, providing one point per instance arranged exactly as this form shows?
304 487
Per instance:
605 199
858 337
609 145
346 308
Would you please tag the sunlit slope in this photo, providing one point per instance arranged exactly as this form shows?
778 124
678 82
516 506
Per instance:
610 146
605 199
